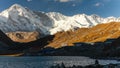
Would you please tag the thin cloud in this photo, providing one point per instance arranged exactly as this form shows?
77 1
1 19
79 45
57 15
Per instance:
73 5
63 0
29 0
68 0
98 4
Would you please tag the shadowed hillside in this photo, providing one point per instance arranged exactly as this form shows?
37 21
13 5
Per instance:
5 39
8 47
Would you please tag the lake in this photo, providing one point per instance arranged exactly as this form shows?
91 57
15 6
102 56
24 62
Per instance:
47 61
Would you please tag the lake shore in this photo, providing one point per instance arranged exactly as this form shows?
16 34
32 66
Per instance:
96 65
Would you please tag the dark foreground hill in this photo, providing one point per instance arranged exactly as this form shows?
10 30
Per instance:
9 47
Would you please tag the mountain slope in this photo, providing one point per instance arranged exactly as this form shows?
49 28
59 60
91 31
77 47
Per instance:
65 23
98 33
23 37
10 48
18 18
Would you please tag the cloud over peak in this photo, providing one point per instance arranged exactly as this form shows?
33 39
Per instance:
98 4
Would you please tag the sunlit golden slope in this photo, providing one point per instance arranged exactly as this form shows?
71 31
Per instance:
97 33
23 37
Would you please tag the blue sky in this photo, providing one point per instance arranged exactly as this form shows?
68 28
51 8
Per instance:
103 8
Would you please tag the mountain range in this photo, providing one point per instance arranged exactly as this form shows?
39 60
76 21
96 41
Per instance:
18 18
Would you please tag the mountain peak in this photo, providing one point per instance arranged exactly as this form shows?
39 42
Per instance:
14 11
16 6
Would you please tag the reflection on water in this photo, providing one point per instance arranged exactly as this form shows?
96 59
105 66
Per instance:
47 61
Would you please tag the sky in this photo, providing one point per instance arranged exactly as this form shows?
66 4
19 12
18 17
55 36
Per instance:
103 8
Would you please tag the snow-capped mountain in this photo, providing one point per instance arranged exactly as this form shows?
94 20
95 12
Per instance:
18 18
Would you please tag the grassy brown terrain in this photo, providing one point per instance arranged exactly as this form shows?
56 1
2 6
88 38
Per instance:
23 37
98 33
